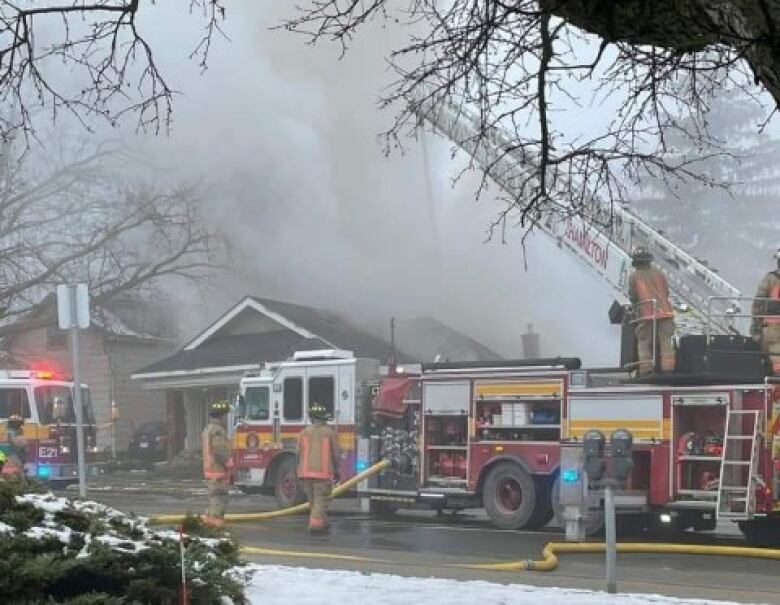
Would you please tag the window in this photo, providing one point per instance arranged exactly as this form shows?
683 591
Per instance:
47 396
14 401
56 338
322 390
292 404
256 403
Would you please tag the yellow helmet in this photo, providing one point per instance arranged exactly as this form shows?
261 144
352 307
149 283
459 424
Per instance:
219 407
15 420
317 411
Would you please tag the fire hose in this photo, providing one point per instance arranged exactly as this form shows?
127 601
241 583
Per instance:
339 490
549 561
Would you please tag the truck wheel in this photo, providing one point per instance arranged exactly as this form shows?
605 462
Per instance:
287 488
594 522
543 511
509 496
762 532
383 508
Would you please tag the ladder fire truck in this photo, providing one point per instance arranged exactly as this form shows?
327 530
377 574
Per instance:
507 437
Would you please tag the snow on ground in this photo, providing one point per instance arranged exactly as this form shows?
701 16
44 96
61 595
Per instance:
277 585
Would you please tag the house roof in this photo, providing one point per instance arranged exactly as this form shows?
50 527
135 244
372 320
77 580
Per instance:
300 328
236 350
426 337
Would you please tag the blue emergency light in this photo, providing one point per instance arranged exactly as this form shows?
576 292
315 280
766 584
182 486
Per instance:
361 465
570 475
44 472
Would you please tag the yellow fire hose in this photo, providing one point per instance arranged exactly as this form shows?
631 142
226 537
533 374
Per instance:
551 551
548 562
282 512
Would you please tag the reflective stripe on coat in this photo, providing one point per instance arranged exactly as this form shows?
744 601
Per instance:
318 452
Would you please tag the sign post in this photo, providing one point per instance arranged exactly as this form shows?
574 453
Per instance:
73 313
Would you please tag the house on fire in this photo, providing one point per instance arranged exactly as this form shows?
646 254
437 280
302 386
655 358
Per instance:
259 330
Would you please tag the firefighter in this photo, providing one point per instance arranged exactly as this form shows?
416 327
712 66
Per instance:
17 446
648 291
217 462
766 315
318 463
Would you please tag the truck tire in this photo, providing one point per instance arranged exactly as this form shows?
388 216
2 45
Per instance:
543 512
287 488
383 508
762 532
509 496
594 522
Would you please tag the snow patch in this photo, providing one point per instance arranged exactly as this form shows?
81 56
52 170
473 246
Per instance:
40 533
279 585
5 528
121 544
46 502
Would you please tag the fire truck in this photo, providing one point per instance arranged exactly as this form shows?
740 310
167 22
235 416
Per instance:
507 436
503 436
45 401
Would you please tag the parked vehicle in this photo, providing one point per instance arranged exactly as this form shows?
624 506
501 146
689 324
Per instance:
149 443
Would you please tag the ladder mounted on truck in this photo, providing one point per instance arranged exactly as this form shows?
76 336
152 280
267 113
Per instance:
737 486
604 237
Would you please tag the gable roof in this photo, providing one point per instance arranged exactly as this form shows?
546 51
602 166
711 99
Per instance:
300 328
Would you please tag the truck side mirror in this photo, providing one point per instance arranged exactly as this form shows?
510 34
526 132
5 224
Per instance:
238 405
621 449
593 446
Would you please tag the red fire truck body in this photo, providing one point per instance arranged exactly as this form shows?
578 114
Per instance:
494 436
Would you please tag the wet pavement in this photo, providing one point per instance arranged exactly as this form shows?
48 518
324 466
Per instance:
420 543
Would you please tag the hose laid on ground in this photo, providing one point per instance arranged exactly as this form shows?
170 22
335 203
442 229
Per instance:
549 560
283 512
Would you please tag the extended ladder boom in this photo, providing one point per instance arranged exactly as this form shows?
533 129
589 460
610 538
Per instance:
604 249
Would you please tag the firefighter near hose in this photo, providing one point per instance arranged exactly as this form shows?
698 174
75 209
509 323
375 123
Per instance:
217 462
318 464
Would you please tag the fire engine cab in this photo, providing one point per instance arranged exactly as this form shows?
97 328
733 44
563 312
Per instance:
45 402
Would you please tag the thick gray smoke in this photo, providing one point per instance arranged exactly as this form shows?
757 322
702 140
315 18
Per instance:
284 135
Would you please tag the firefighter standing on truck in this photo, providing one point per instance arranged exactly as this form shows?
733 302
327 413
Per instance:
648 292
217 462
17 446
766 315
318 463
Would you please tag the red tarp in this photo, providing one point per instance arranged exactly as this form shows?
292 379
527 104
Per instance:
389 400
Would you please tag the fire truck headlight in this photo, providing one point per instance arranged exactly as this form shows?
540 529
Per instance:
44 472
666 518
64 449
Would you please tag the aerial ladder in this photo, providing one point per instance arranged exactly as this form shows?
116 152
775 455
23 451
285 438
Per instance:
602 236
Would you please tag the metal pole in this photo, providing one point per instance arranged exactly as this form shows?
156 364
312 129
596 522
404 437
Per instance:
114 414
392 342
74 345
611 549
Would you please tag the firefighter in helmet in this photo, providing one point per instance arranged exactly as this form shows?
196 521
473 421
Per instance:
648 292
217 462
766 314
318 465
17 446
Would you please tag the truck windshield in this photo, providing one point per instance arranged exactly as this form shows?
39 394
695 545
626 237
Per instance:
46 396
256 403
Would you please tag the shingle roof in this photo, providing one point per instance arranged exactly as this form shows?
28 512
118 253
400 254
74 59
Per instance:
235 350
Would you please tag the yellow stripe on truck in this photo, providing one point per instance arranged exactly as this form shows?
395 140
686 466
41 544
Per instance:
641 429
517 389
265 438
